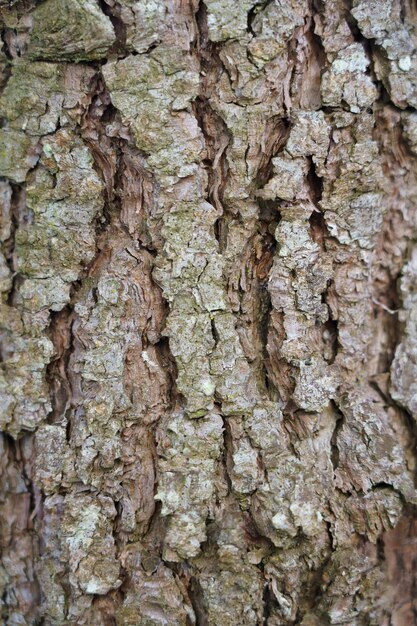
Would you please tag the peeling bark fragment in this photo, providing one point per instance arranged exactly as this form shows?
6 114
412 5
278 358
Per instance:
50 567
275 23
235 382
143 21
75 30
88 541
38 95
191 355
64 197
231 584
288 181
50 464
309 136
380 510
154 94
348 570
63 193
18 154
316 384
149 23
291 502
404 368
189 451
226 19
331 25
109 344
395 39
25 396
347 81
155 596
356 182
371 439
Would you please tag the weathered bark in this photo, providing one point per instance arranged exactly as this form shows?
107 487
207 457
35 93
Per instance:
209 330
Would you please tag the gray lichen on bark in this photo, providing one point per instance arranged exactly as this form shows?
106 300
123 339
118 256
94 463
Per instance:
207 368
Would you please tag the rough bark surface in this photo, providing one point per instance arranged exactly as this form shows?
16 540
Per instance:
209 327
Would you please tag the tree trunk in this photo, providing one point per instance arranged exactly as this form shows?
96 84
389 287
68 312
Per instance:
209 278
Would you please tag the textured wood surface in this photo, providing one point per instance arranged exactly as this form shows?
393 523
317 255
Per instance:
209 312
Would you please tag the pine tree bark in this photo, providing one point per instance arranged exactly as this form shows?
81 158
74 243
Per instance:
208 318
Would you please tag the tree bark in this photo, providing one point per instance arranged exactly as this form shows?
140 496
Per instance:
209 291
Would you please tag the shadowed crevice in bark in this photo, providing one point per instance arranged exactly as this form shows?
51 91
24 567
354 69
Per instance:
214 129
112 10
216 140
60 332
277 130
340 421
197 601
16 209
